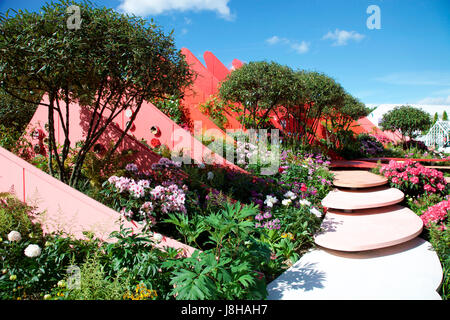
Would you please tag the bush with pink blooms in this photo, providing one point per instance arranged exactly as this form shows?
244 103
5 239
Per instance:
437 214
381 138
144 196
414 179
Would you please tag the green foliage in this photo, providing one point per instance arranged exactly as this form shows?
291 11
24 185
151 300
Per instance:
16 114
17 216
28 277
190 229
435 118
95 285
228 270
407 120
440 239
172 108
215 109
97 168
259 87
421 203
444 116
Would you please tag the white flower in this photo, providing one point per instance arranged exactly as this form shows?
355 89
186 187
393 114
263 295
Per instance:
290 195
316 212
14 236
201 165
33 251
305 202
210 175
270 201
157 236
286 202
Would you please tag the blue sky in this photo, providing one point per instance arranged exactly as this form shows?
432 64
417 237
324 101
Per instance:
406 61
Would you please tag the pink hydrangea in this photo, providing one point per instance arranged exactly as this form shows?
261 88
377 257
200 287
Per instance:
437 213
422 179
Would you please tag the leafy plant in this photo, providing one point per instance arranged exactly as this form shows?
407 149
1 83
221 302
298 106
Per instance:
216 110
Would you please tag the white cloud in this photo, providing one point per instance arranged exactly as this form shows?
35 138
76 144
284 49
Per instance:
443 92
275 39
301 47
155 7
341 37
187 21
425 78
435 101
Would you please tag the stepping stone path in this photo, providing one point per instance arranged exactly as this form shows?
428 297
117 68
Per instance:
367 248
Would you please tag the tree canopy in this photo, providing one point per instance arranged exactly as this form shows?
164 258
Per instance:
259 87
407 120
112 62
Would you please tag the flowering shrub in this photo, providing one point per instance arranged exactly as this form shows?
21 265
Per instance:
437 214
381 139
305 175
414 179
370 145
139 198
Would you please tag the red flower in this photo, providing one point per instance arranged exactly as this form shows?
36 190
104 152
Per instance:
304 188
155 143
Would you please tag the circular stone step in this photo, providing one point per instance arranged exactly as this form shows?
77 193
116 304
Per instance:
346 199
357 179
408 271
368 229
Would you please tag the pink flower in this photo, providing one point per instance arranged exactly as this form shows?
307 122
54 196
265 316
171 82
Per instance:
429 188
437 213
414 180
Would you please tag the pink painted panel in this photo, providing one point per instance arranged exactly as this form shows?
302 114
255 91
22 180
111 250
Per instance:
237 64
66 209
205 81
79 121
206 86
217 68
173 136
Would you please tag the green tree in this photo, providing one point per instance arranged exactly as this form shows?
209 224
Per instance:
259 87
436 118
111 63
315 94
407 120
339 119
445 116
16 114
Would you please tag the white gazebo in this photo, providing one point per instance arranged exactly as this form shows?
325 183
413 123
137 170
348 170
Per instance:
438 135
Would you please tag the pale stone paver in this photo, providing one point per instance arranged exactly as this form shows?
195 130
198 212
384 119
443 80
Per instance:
408 271
395 264
357 179
368 229
351 199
